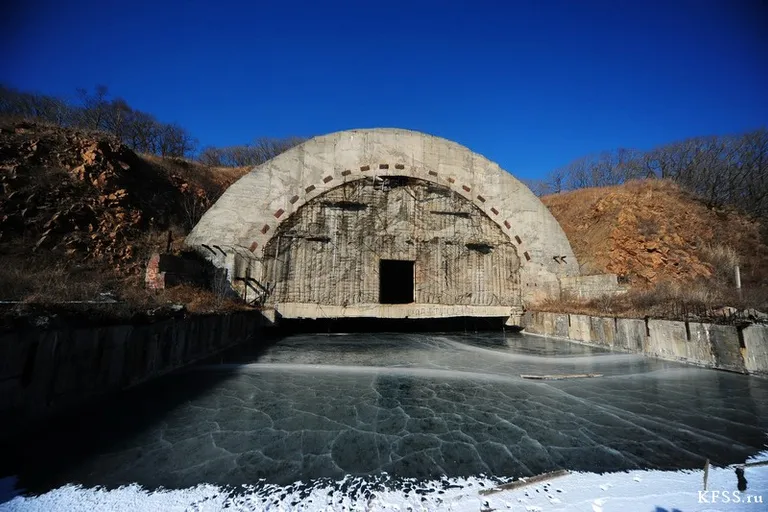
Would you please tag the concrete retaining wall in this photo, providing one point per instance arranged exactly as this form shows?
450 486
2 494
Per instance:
667 340
630 335
590 287
602 331
725 347
42 372
755 338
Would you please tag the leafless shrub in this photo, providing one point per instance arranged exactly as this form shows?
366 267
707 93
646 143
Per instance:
723 260
725 170
605 304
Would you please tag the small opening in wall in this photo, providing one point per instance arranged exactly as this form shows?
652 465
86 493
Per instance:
345 205
395 281
480 247
463 215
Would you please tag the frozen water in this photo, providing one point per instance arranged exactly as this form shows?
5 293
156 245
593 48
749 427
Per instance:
388 407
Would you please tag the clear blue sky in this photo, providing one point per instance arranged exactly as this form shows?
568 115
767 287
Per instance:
531 85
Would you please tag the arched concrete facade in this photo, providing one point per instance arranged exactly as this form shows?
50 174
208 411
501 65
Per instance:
236 230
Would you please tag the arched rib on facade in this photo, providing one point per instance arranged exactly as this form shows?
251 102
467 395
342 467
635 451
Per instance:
250 211
338 179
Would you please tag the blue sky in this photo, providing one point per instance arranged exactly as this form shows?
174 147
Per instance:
530 84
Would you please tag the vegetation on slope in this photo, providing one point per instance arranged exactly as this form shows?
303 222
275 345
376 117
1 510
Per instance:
80 213
722 171
677 253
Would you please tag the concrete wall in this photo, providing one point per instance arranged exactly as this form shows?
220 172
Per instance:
755 338
236 231
579 328
590 287
328 252
43 372
725 347
630 335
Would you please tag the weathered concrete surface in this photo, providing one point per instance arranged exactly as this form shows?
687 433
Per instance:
315 311
602 331
699 348
667 340
561 325
235 232
713 346
726 347
590 287
534 323
630 334
755 339
329 251
579 329
47 371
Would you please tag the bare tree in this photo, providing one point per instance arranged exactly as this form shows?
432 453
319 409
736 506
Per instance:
93 107
245 155
116 116
211 156
723 170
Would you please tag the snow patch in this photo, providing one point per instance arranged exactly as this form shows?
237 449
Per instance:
632 490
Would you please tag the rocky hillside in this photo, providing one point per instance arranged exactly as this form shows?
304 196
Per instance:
652 231
81 201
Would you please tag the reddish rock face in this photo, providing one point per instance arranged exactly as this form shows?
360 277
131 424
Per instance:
652 231
90 198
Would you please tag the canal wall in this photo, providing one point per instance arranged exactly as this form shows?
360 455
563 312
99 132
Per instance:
48 371
742 349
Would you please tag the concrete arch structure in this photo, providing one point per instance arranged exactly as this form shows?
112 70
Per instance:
236 230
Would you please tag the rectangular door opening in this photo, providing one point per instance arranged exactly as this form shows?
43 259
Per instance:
395 281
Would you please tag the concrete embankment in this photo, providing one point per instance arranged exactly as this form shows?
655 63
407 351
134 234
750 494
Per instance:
741 349
48 371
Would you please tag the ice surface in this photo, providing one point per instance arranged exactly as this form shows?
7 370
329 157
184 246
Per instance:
389 407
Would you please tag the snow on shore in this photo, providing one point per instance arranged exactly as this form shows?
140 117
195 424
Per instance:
628 491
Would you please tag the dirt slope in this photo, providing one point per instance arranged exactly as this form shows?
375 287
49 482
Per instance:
652 231
82 200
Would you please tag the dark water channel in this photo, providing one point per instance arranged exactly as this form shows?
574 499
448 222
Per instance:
410 405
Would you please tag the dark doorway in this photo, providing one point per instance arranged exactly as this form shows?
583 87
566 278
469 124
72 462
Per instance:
395 282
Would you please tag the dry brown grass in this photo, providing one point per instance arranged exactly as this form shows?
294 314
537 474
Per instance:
704 299
200 300
195 299
43 280
722 258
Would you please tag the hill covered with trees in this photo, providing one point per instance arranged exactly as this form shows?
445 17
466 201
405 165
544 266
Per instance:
719 170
